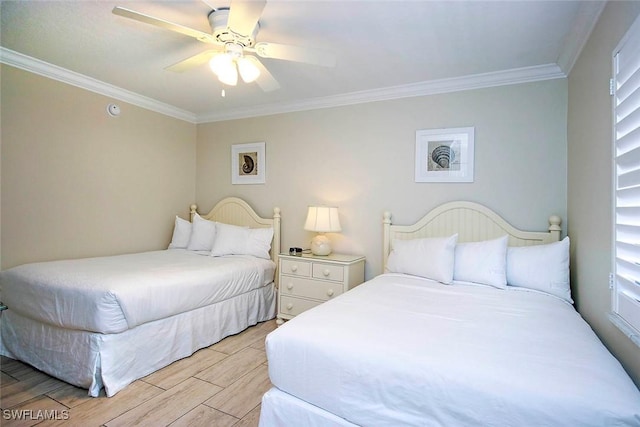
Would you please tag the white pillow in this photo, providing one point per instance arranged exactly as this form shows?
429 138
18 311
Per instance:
430 257
181 234
541 267
235 240
230 239
259 242
482 262
203 232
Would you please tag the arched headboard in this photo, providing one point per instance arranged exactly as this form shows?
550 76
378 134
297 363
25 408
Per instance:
235 211
472 221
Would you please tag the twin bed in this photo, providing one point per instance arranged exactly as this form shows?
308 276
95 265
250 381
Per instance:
105 322
471 324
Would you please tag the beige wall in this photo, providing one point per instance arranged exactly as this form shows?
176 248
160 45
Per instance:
77 182
590 178
361 158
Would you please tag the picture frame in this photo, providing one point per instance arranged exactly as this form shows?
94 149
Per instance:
248 163
445 155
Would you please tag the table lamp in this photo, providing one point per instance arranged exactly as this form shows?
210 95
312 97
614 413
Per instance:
322 219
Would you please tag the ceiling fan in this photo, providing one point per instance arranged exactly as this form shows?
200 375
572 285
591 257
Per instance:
233 35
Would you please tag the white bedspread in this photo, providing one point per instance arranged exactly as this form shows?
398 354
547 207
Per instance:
400 350
113 294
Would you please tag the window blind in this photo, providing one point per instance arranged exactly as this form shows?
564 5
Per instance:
626 276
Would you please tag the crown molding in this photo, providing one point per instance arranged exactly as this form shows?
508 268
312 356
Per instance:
578 35
36 66
432 87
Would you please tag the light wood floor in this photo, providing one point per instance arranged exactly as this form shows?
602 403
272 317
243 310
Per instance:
221 385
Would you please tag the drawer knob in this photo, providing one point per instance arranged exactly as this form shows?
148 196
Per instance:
330 292
290 286
289 306
294 268
326 272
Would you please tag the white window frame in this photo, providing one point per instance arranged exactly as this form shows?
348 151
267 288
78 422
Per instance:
625 277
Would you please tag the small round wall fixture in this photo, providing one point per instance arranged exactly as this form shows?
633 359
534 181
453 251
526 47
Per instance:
113 110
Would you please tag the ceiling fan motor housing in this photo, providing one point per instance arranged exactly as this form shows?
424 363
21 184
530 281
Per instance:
218 20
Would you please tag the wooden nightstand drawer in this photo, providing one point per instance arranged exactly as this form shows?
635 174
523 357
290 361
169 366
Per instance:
310 288
294 306
296 268
328 272
308 280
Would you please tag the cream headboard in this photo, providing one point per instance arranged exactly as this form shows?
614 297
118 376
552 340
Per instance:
235 211
473 222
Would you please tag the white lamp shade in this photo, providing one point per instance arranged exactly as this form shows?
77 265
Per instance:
322 219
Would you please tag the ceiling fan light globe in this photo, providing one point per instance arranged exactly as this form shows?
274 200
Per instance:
248 70
220 62
223 66
229 76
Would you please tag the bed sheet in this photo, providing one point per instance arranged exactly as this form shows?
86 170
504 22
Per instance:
401 350
116 293
279 409
113 361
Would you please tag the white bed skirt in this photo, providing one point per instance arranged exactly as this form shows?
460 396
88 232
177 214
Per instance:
113 361
280 409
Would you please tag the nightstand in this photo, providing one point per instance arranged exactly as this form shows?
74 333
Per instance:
306 281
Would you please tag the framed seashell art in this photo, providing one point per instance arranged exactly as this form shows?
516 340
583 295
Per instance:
445 155
248 163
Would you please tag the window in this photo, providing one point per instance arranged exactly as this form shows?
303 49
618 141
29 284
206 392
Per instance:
625 280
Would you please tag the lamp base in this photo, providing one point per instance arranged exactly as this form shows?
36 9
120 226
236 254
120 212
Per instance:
320 245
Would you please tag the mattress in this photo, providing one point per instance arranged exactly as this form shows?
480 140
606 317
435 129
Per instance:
402 350
117 293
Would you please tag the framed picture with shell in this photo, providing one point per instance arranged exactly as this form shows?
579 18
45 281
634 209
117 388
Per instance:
445 155
248 163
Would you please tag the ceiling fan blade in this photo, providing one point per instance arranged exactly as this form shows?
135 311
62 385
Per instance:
209 3
141 17
192 62
266 81
244 15
324 58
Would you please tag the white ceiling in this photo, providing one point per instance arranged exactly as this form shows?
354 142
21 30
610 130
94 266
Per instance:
384 50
